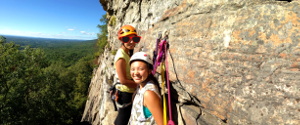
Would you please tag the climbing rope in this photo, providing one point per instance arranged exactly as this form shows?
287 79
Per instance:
170 122
165 118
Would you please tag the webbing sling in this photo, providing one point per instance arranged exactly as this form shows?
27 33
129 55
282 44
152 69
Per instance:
161 59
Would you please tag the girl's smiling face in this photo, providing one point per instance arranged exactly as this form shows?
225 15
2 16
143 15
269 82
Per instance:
139 71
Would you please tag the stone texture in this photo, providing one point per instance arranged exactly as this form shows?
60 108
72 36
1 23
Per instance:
230 61
99 108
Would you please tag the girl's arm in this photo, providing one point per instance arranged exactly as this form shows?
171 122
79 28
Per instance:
153 103
121 71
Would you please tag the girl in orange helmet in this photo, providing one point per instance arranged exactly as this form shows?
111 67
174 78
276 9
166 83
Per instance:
129 38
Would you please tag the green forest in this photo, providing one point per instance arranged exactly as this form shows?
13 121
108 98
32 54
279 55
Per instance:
44 81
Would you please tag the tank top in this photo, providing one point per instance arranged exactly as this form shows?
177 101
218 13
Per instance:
137 112
121 54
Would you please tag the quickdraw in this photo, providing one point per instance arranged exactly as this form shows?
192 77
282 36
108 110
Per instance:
160 59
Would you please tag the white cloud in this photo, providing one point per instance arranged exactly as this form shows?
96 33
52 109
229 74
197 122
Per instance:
87 33
71 29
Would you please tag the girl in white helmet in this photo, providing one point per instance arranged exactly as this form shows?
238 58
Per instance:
147 107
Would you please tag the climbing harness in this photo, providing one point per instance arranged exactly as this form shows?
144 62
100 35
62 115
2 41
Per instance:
114 96
160 59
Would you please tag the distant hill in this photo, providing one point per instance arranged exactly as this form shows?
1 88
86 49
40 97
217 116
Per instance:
58 49
36 42
13 37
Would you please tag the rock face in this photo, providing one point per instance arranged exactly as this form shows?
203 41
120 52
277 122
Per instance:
230 61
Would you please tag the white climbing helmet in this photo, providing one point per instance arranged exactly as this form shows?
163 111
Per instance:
141 56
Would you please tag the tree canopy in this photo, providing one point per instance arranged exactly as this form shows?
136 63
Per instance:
37 90
47 83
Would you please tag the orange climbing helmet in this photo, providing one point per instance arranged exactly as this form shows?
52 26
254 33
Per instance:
126 30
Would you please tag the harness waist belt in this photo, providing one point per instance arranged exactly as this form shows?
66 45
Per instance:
124 88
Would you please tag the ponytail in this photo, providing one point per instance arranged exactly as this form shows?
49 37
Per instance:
155 81
131 52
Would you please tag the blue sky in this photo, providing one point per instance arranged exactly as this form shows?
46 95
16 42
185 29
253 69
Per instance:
63 19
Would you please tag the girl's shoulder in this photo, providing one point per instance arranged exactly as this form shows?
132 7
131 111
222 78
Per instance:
150 86
121 54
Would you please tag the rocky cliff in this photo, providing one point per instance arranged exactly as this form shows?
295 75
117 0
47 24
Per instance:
230 61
